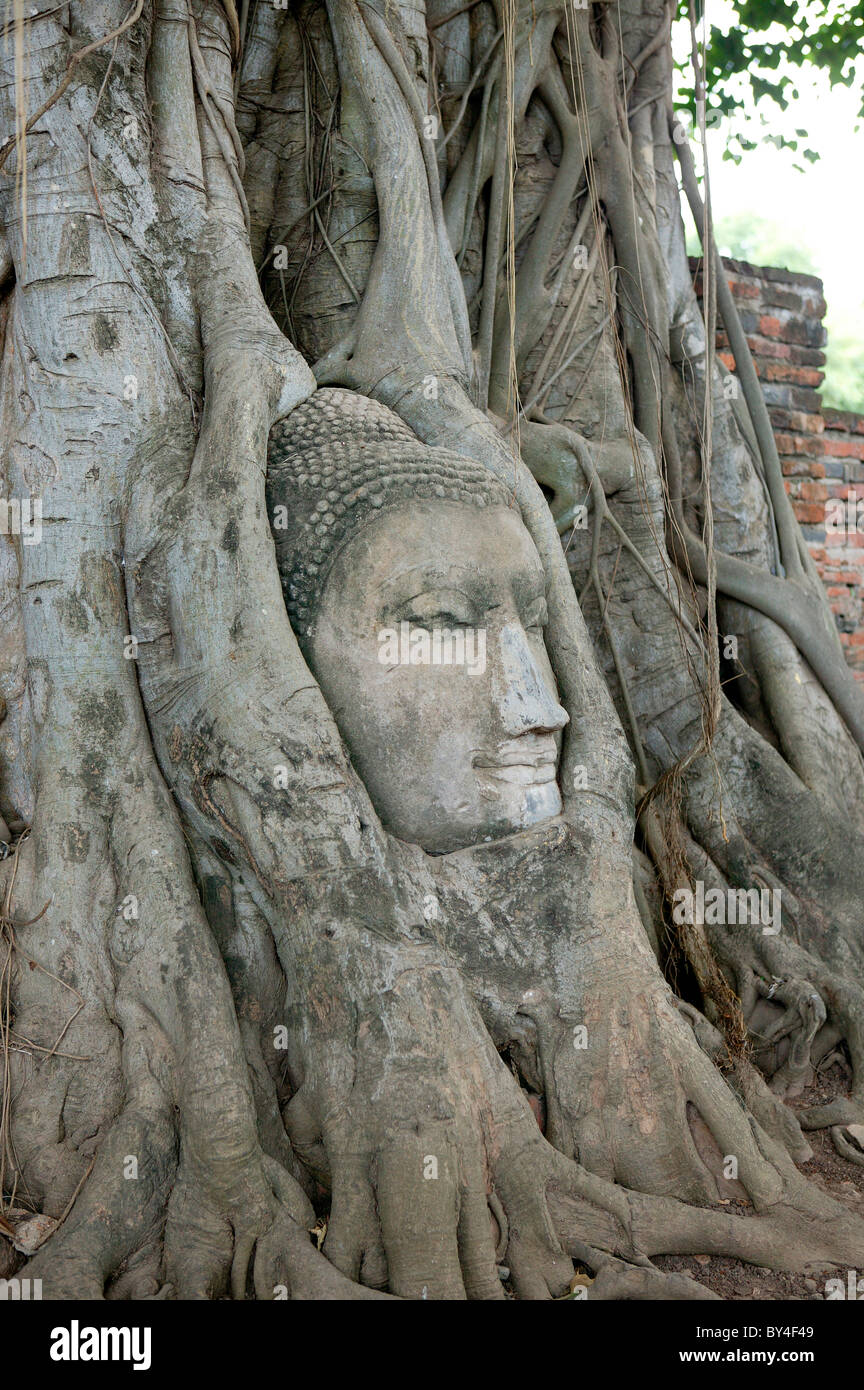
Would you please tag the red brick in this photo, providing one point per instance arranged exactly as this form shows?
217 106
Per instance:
839 489
843 448
810 513
832 575
798 444
801 376
767 347
813 492
802 468
796 421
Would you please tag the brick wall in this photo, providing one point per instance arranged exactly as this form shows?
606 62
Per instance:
821 450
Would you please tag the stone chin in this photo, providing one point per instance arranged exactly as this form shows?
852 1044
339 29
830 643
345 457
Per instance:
502 807
521 810
520 794
539 803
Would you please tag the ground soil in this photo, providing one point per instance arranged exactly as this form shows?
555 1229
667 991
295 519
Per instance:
841 1179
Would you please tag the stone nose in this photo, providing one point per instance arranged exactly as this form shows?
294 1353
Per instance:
527 700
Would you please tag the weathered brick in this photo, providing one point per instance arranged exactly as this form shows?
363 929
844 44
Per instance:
809 512
837 489
833 574
798 397
796 421
807 356
789 277
843 448
802 467
840 419
799 444
821 450
781 297
768 347
813 492
802 332
781 371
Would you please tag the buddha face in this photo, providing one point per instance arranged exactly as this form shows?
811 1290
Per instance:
428 644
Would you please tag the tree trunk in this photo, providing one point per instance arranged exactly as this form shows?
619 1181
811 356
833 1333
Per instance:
233 1002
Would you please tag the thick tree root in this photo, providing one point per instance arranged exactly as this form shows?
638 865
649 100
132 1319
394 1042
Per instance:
847 1147
808 1232
121 1210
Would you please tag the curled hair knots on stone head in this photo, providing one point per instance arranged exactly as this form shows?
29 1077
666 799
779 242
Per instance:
334 464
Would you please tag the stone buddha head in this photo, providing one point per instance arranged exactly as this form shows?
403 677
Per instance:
418 599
